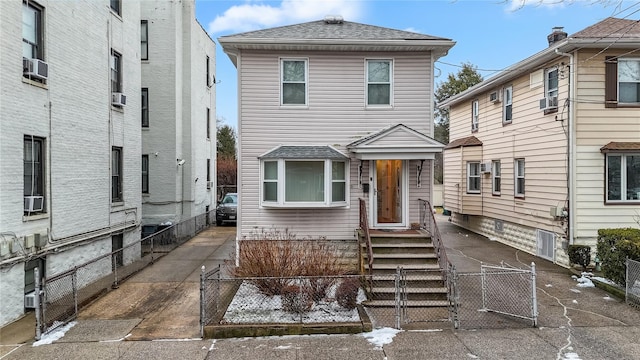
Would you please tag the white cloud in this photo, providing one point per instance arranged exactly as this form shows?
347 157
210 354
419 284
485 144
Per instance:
514 5
255 15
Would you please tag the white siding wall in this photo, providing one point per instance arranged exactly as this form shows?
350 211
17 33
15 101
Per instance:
336 116
74 114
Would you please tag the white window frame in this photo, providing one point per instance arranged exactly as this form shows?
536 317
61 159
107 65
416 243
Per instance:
507 103
35 169
549 91
117 191
37 44
473 175
281 185
305 82
116 71
621 60
625 196
367 83
475 115
496 177
517 191
144 40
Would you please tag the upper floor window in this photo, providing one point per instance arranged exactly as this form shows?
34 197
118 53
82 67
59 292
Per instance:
116 6
378 82
507 104
32 39
294 82
473 178
475 115
144 40
623 177
208 123
145 107
145 174
116 72
519 177
34 177
209 79
116 174
495 177
622 81
551 83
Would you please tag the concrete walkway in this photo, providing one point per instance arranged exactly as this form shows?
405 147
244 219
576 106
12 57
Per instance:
574 323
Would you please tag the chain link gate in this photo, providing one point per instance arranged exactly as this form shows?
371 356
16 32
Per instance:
422 297
632 286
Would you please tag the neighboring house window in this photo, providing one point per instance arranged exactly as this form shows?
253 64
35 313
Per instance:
145 107
208 80
623 177
622 81
551 90
294 82
308 183
32 39
116 6
519 177
495 177
473 178
208 170
378 82
475 114
34 177
144 40
208 123
116 174
116 72
145 174
507 110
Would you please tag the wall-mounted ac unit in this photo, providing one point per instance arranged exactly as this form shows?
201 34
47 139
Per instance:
485 167
209 184
30 300
41 239
35 68
494 96
30 241
549 103
5 247
33 203
118 99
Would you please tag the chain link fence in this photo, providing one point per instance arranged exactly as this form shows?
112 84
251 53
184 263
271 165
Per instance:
632 288
61 296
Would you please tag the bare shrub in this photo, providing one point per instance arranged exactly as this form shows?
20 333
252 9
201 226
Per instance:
347 293
296 300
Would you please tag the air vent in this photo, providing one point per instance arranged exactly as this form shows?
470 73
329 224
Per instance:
546 241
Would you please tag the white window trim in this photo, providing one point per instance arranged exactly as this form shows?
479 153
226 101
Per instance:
547 89
623 178
306 82
469 176
328 182
618 79
516 176
507 102
495 176
475 115
366 84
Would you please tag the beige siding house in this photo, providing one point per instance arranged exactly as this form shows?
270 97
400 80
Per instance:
548 151
333 111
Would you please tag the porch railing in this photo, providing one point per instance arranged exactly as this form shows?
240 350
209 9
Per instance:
364 227
428 222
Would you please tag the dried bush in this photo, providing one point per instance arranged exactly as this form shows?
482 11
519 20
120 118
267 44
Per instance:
317 287
347 293
296 300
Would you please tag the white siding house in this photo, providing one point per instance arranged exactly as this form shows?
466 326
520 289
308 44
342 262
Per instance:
329 112
553 148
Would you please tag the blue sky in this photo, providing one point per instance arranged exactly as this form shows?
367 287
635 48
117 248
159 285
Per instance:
489 34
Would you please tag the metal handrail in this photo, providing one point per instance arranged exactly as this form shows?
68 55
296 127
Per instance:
428 222
364 226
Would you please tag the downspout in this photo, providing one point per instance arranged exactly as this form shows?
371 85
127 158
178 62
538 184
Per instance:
571 147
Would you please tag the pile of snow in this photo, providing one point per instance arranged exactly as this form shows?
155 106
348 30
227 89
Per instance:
584 281
49 338
381 336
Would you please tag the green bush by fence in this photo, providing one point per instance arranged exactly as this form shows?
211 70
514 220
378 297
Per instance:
614 247
580 255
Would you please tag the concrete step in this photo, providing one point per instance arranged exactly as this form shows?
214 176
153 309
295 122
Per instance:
419 303
393 267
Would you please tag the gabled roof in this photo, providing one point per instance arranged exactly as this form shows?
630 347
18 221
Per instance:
620 147
303 152
611 33
395 142
466 141
333 36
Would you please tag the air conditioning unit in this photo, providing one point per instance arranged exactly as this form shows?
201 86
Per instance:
549 103
33 203
118 99
494 97
30 300
557 212
35 68
209 184
485 167
5 247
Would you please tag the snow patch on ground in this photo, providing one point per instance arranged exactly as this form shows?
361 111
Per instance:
584 281
603 280
49 338
381 336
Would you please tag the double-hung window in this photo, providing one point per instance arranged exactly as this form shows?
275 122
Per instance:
208 123
379 83
144 40
116 6
622 82
551 89
507 107
519 177
116 174
32 39
475 115
623 177
473 177
145 107
34 177
145 174
116 72
495 177
294 82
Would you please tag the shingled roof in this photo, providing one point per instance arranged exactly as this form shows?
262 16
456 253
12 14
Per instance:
611 28
466 141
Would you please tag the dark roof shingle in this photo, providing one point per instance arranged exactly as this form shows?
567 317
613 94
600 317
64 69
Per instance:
620 146
304 152
467 141
611 28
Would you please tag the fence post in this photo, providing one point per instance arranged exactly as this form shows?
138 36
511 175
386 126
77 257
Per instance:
39 314
152 238
533 295
74 287
202 302
397 298
114 266
483 286
626 281
455 296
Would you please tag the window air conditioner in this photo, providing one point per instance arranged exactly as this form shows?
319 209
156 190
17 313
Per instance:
118 99
30 300
485 167
548 103
494 97
35 68
33 203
